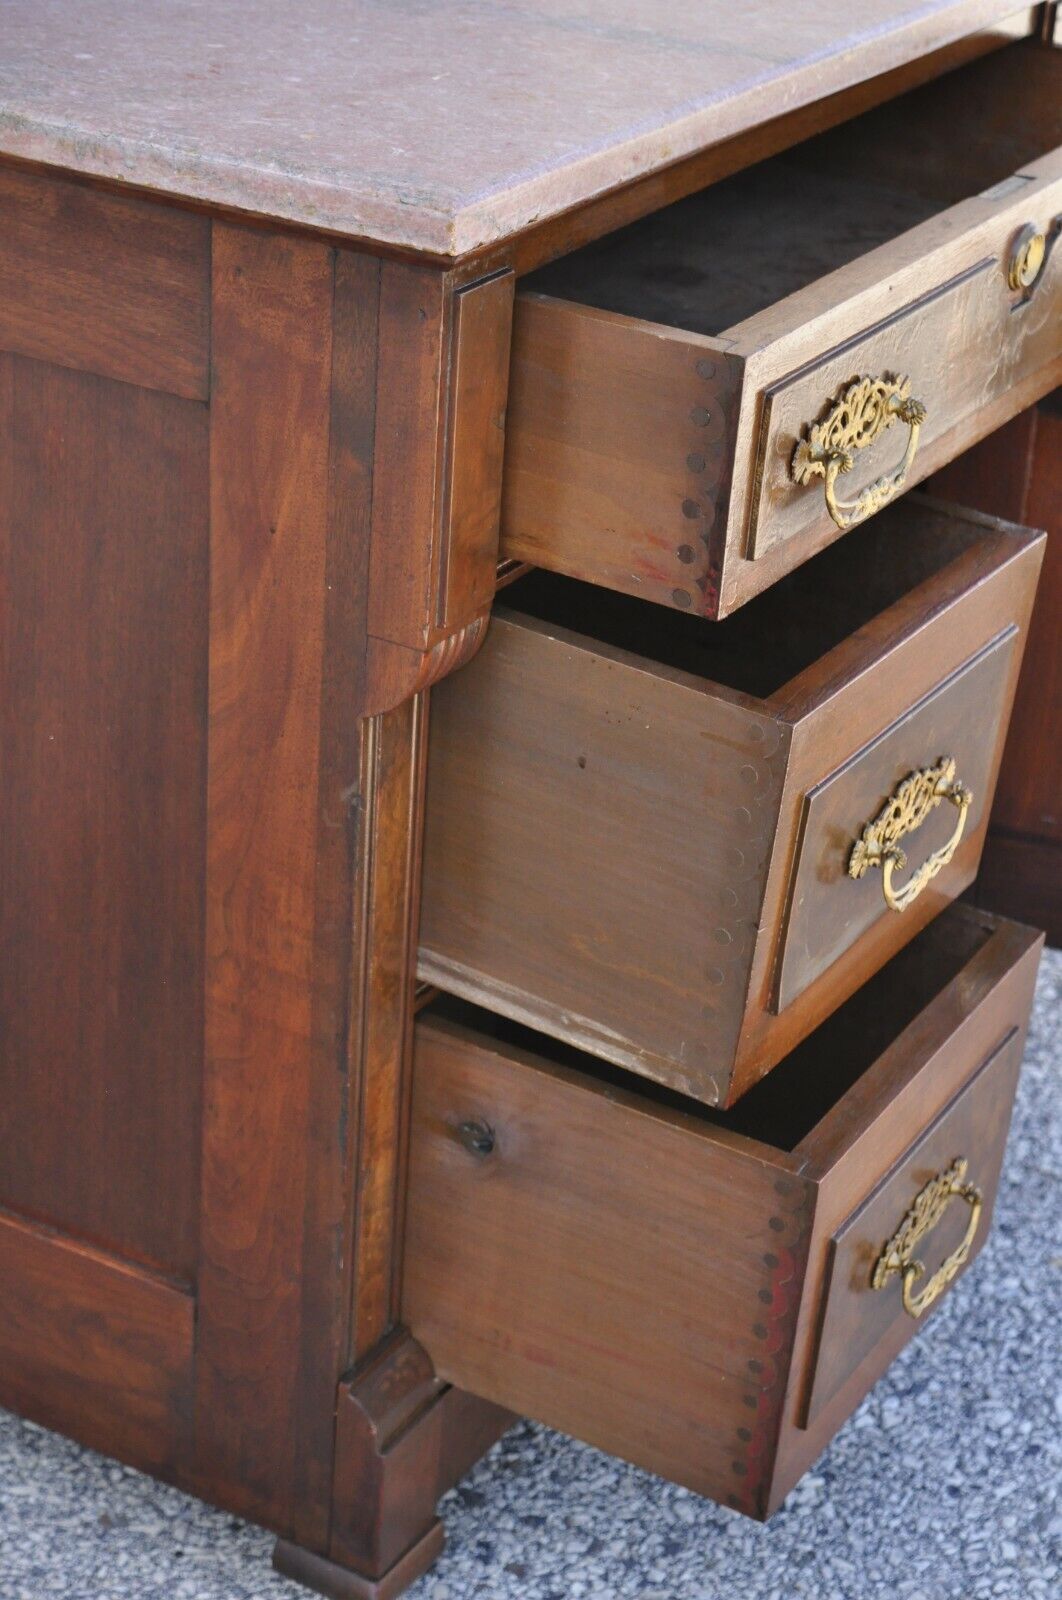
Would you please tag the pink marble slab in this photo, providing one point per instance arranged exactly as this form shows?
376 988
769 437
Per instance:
441 125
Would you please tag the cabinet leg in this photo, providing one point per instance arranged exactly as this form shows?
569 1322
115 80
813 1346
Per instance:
403 1437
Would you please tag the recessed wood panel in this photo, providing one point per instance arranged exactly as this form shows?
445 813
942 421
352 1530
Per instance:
95 1348
104 283
103 591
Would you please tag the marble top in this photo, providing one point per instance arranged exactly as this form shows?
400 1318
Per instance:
440 125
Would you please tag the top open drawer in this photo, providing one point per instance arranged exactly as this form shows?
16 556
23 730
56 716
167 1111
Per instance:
705 399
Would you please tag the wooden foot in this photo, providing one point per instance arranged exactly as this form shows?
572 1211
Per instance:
341 1583
403 1437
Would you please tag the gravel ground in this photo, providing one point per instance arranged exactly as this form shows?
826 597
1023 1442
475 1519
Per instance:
943 1486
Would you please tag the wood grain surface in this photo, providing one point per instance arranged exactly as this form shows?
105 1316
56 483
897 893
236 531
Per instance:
103 628
104 283
267 1055
592 1241
1018 473
95 1348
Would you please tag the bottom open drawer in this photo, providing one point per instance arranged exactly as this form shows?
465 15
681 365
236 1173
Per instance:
709 1294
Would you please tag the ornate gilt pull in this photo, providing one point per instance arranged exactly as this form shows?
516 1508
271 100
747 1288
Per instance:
879 843
861 414
930 1204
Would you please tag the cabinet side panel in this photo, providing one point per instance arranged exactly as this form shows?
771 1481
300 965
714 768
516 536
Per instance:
1017 473
103 595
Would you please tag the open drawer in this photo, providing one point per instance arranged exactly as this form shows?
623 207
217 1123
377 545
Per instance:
678 847
706 1294
704 399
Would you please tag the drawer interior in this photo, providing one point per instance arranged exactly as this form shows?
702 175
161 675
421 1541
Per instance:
717 258
782 632
786 1106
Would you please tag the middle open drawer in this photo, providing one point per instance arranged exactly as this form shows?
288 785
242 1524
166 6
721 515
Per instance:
681 845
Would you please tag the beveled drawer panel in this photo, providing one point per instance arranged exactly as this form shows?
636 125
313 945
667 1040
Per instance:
829 911
653 1278
648 854
930 1211
703 400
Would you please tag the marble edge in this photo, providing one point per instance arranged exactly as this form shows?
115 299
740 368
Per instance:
488 219
364 214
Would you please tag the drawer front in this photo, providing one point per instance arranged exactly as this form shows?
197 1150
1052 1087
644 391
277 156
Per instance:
965 349
921 791
899 1254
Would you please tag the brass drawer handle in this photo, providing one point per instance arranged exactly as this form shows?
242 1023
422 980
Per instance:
929 1206
862 412
906 809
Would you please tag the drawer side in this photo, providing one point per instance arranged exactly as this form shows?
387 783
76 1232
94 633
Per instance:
596 846
612 1271
619 445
